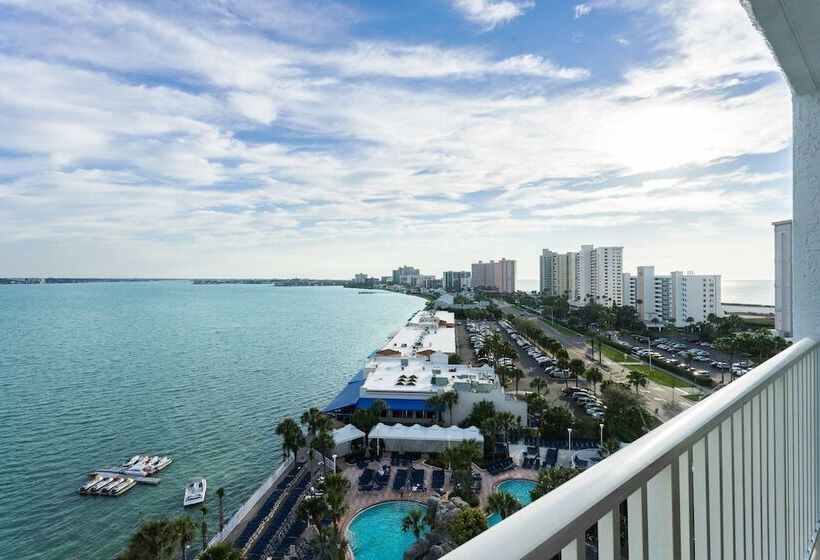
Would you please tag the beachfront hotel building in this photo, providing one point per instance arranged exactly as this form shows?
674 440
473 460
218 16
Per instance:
783 277
494 275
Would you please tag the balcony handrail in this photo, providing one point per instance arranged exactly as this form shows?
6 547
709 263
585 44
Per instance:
557 518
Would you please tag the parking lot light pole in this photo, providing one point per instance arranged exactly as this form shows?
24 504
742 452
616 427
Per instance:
601 425
569 439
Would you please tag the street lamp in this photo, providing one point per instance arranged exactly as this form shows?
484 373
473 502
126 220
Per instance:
601 425
334 463
569 439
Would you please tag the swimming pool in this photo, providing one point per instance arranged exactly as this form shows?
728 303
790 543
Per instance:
518 488
375 533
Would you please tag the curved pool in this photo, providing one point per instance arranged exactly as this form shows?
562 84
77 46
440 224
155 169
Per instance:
519 488
375 533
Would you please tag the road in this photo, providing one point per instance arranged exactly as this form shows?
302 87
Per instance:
664 402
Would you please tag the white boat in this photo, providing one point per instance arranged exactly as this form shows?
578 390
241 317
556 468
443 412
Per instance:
116 489
105 481
164 462
111 485
124 487
132 461
88 485
195 492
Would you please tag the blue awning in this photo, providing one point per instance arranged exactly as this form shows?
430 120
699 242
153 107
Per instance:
411 405
348 396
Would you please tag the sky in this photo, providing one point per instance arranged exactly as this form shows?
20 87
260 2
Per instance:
280 138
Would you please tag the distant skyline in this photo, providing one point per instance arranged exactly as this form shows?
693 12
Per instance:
280 138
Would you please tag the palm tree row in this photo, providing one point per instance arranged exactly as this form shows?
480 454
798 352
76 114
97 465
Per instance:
158 539
329 543
443 401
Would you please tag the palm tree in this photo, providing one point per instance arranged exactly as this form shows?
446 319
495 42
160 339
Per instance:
204 528
292 437
153 540
517 375
610 446
502 503
327 545
379 408
184 531
414 522
449 399
315 420
637 379
312 510
436 402
594 376
506 422
220 493
324 443
222 551
576 366
336 487
538 384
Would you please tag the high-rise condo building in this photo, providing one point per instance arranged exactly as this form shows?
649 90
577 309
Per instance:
546 268
593 274
674 298
783 277
456 279
497 275
406 275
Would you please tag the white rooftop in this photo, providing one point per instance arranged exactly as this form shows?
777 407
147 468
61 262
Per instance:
415 375
427 332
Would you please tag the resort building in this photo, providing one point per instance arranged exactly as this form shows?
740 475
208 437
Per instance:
425 333
783 277
453 280
546 275
405 384
495 275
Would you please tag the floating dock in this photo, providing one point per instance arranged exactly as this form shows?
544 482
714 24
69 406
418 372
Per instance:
118 472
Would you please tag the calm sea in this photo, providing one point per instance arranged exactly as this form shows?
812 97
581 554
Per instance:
757 292
93 373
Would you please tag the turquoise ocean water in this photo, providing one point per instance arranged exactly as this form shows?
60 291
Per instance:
93 373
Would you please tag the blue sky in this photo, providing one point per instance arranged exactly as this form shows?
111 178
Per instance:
299 137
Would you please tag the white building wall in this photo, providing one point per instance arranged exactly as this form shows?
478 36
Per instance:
630 287
696 296
546 272
783 277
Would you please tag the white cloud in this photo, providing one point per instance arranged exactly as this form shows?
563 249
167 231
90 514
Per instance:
490 13
265 145
582 10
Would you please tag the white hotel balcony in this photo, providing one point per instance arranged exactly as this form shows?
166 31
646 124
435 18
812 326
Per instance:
735 476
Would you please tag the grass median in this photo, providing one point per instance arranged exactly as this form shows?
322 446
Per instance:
658 376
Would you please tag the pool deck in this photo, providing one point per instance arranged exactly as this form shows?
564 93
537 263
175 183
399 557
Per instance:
360 500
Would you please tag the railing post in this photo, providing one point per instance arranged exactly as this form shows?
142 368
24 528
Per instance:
636 526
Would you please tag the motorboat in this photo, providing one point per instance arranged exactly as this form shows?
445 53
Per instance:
195 492
132 461
88 485
104 481
115 490
111 485
124 487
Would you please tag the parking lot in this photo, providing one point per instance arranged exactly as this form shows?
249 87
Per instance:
698 358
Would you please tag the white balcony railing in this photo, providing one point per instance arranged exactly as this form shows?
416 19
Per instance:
735 476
